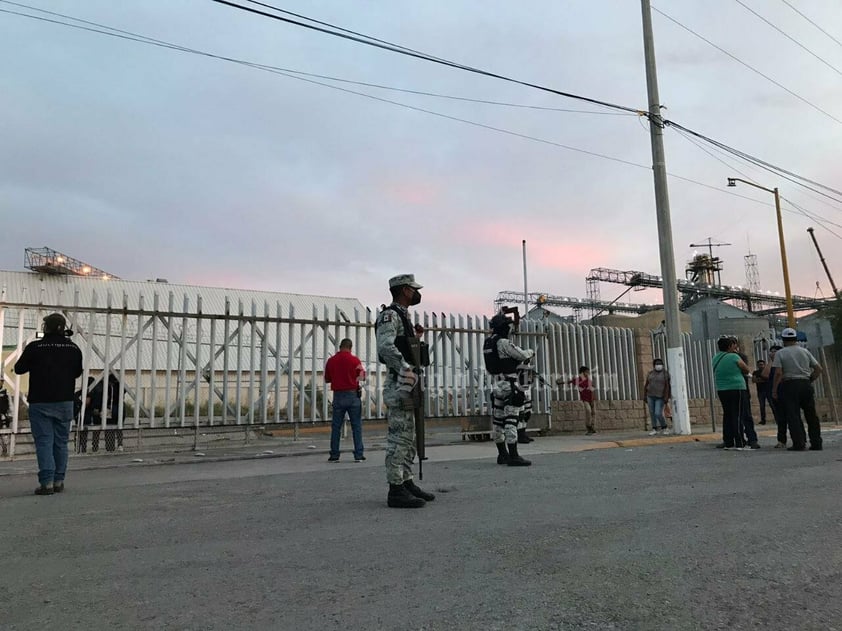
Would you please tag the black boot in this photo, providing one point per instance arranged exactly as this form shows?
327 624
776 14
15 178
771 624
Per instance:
522 437
410 486
399 497
514 459
502 454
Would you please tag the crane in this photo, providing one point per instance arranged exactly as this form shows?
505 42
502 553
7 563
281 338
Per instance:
824 263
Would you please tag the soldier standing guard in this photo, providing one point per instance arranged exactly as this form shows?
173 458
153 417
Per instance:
393 329
509 366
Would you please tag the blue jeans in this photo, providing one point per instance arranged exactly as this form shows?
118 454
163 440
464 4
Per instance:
50 425
656 412
347 401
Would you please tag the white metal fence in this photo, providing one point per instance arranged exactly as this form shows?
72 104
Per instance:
697 359
699 353
178 366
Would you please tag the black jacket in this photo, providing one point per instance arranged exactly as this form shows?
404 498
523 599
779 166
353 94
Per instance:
53 364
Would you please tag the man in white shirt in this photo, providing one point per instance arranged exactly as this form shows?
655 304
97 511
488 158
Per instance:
797 369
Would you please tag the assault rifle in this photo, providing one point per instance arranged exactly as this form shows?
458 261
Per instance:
418 356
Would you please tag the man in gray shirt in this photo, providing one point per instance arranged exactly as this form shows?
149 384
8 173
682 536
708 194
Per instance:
797 369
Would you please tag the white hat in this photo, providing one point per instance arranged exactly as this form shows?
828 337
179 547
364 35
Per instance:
789 334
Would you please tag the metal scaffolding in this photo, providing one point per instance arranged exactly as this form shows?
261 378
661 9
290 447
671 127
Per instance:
48 261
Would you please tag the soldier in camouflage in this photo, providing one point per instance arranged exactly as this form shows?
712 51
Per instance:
509 367
392 323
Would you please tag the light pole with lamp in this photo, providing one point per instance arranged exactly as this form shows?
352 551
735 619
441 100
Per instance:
790 313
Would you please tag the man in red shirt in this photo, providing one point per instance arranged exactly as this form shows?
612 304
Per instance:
345 373
585 387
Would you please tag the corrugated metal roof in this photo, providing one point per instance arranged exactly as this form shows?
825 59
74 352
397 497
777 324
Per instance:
63 290
69 291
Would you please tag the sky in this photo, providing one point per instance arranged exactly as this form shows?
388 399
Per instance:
153 163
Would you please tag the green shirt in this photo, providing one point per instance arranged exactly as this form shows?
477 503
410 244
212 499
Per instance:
728 375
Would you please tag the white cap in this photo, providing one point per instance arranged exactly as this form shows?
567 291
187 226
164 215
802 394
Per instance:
789 334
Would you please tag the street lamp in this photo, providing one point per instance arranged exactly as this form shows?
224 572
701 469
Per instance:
790 313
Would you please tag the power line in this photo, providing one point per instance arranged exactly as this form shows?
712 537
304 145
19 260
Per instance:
391 46
275 70
741 62
710 153
456 98
811 22
800 210
789 37
781 172
745 175
820 221
344 30
368 41
144 39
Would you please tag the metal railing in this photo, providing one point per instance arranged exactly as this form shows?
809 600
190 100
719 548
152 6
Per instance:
177 366
697 360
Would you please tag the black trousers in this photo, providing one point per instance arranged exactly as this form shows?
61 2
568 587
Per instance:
746 419
736 426
762 398
113 438
780 419
795 395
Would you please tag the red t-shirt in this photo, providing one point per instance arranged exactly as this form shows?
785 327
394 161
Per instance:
585 388
344 371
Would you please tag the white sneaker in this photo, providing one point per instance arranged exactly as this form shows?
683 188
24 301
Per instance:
653 432
666 432
120 448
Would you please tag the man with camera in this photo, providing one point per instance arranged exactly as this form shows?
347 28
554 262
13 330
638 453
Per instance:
53 363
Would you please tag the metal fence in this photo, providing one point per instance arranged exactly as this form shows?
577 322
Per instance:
697 359
828 361
698 354
608 352
177 366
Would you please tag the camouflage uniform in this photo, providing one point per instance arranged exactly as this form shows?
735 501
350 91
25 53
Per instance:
506 416
400 440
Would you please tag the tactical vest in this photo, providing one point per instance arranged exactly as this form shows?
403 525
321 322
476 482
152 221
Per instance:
495 364
401 340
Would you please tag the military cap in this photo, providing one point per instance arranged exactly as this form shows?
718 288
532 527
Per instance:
404 279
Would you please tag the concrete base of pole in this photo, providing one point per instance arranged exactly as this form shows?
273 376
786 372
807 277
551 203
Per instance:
678 380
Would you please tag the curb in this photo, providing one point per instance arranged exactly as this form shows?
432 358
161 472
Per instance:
178 458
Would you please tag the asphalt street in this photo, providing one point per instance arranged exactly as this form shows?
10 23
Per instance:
671 536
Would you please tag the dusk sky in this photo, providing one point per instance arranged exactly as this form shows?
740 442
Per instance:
149 162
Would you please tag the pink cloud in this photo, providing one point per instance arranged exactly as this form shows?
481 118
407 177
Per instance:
411 192
551 249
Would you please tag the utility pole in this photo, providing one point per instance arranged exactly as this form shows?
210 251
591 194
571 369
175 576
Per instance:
525 289
675 351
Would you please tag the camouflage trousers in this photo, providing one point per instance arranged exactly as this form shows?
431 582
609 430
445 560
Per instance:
525 410
400 438
505 417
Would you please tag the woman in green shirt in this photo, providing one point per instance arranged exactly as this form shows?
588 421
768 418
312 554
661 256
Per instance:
729 374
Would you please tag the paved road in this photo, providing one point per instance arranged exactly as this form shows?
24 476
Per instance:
674 536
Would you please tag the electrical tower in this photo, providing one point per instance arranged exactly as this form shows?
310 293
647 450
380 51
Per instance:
593 295
752 273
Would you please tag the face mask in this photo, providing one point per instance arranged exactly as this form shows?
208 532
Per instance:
659 367
416 298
